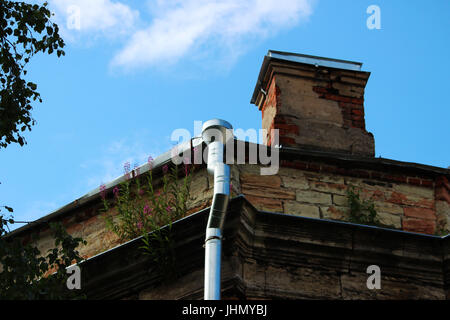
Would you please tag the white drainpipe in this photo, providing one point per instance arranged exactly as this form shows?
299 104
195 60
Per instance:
215 134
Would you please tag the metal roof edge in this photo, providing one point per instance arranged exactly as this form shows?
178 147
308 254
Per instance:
316 60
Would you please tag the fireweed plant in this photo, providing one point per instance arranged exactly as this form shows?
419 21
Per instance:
145 211
361 211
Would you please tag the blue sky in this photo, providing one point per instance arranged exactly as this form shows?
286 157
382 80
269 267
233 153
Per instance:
136 70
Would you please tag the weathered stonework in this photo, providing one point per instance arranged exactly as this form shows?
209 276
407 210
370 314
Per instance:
321 194
316 107
313 190
442 196
305 210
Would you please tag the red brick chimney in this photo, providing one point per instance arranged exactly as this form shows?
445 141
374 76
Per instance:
316 103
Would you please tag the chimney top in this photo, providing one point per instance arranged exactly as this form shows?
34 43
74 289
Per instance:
314 103
301 59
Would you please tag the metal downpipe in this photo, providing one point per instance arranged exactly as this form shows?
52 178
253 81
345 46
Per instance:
215 134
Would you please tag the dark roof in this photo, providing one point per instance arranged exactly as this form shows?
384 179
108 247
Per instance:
357 161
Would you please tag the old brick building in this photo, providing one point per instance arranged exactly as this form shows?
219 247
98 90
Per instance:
287 235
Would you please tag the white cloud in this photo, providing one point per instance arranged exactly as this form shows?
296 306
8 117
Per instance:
189 27
106 17
174 29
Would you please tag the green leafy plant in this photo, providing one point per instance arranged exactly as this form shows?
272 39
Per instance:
441 232
25 274
361 211
25 30
159 246
144 211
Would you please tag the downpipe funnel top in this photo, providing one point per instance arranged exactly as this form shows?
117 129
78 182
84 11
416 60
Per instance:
217 130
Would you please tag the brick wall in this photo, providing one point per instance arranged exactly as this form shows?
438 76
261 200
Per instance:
310 189
317 108
320 191
442 196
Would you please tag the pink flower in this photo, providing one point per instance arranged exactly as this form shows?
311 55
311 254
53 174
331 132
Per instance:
141 192
139 225
169 208
103 191
116 191
147 209
165 168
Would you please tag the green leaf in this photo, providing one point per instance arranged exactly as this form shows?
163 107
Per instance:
32 85
28 31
